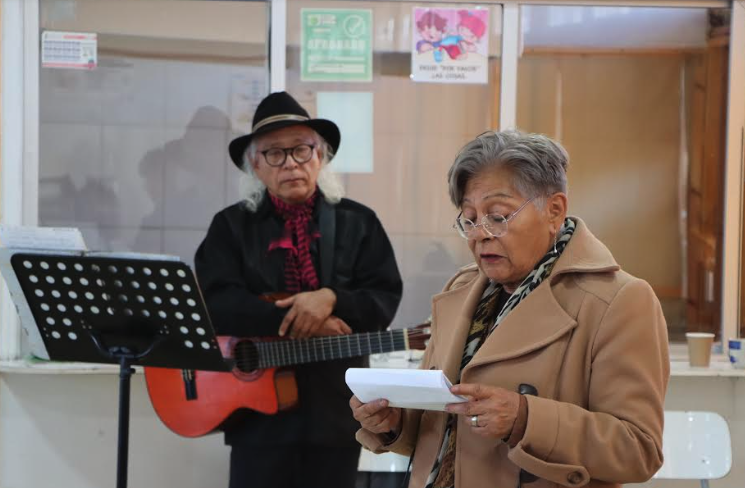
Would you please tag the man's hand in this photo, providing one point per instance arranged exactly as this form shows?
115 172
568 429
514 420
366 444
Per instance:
333 326
308 311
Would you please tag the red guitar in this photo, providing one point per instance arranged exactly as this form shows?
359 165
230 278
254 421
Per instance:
195 403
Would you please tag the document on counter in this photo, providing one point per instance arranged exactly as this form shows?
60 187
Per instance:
423 389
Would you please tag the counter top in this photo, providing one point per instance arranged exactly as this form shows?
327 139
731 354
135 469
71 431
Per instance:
679 367
38 366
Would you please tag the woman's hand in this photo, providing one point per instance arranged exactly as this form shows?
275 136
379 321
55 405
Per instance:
377 416
490 411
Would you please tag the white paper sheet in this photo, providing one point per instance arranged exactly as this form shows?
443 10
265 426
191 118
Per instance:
58 238
406 388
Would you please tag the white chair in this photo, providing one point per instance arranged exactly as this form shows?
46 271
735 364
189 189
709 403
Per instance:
696 446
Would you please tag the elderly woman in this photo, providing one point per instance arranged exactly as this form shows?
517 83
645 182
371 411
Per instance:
561 355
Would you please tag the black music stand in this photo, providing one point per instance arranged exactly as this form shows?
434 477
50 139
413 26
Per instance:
123 310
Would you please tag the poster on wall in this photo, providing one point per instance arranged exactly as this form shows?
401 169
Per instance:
336 45
247 89
73 50
450 45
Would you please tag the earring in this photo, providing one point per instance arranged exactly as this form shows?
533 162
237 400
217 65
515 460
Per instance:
556 236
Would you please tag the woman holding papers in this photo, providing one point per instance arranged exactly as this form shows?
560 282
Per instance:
563 356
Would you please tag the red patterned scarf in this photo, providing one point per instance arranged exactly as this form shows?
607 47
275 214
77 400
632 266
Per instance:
300 274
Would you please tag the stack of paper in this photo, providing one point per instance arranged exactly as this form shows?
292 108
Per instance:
406 388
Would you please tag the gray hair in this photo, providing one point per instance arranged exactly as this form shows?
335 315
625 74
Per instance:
538 163
252 189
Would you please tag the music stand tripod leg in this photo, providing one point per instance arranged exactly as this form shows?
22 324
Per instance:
126 357
125 375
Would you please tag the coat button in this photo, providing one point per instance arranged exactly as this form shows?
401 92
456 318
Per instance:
575 478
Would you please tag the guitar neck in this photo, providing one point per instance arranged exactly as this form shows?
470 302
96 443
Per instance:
274 354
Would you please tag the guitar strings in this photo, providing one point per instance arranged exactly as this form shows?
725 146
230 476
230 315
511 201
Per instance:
288 352
333 342
284 353
265 355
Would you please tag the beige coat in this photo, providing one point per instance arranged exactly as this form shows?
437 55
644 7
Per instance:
592 339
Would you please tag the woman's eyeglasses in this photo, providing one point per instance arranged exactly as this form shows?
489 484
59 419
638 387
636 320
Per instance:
494 224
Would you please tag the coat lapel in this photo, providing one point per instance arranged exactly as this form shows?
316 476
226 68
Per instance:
537 321
452 314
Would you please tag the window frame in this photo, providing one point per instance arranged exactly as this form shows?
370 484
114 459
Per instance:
19 126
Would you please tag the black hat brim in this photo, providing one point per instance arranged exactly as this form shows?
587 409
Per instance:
325 128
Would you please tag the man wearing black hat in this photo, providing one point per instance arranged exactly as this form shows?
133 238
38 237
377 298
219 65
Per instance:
294 233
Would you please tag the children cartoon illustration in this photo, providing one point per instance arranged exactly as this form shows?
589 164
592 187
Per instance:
470 31
433 32
449 45
432 29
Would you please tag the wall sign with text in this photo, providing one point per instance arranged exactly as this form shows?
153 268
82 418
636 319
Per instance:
76 50
336 45
450 45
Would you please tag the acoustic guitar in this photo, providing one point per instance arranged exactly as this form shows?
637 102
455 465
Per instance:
195 403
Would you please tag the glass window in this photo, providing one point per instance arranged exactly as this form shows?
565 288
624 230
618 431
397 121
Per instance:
417 128
134 151
638 96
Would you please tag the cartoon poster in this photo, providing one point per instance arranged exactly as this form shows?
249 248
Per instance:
450 45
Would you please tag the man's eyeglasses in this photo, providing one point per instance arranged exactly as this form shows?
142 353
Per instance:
276 156
494 224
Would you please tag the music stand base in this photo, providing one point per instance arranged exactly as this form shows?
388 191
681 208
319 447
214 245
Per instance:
136 311
125 375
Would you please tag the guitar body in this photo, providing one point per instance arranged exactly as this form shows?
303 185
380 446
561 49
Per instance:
196 403
219 396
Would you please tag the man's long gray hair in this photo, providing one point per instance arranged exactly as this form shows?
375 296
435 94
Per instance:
252 189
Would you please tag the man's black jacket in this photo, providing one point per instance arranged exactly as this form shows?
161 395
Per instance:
353 257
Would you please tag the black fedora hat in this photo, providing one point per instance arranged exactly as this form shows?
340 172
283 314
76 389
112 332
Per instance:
277 111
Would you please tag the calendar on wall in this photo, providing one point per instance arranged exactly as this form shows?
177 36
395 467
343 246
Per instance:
72 50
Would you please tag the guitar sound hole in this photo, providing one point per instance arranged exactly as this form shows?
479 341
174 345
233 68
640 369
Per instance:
246 356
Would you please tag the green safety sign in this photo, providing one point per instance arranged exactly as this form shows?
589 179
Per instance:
336 45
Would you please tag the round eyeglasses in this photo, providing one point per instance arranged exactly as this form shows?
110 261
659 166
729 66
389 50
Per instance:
494 224
276 156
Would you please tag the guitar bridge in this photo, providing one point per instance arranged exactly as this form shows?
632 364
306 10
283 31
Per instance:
190 383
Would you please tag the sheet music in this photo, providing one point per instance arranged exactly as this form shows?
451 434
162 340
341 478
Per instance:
57 238
406 388
132 255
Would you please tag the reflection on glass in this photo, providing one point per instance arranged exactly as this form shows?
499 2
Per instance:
134 152
638 97
417 128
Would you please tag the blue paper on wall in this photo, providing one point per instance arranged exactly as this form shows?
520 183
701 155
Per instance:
353 113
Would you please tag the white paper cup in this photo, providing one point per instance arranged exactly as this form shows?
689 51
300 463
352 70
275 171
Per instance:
699 348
